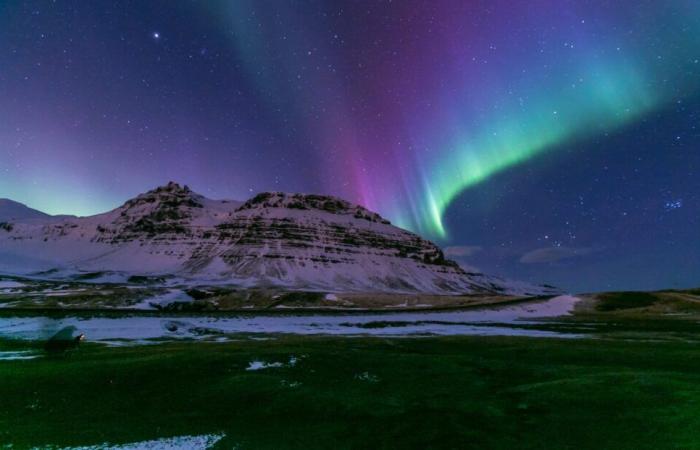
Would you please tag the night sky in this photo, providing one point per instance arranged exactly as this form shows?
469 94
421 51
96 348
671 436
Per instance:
551 141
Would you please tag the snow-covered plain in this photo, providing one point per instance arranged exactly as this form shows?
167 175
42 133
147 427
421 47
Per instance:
135 329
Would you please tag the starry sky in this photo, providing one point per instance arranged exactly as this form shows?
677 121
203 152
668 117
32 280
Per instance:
550 140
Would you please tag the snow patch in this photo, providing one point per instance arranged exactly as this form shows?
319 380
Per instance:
201 442
172 296
259 365
368 377
17 355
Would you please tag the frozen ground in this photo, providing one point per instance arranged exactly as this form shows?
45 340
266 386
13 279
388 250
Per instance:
501 320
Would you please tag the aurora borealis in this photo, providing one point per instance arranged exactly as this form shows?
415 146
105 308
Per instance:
497 128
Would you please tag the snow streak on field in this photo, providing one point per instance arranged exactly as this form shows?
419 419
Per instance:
18 355
201 442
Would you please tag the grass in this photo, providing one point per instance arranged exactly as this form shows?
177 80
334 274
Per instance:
649 303
456 392
614 301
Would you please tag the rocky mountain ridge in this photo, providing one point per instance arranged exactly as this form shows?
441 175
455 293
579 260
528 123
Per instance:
295 241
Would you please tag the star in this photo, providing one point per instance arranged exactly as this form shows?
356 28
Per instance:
673 204
156 35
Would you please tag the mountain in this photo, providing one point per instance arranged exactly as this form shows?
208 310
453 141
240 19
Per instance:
295 241
11 210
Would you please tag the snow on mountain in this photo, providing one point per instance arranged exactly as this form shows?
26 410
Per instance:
11 210
295 241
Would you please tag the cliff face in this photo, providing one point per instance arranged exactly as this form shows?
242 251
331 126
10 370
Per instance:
290 240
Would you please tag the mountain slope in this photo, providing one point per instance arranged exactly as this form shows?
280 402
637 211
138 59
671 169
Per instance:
295 241
11 210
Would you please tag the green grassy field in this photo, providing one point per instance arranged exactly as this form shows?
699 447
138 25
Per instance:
458 392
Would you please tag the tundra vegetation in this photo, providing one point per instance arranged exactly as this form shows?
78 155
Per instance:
640 391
